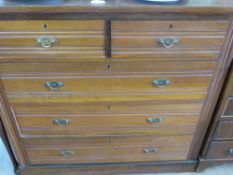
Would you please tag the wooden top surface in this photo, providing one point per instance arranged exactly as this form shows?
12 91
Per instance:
114 6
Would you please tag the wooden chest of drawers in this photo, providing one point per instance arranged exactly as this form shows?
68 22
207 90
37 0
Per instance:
107 93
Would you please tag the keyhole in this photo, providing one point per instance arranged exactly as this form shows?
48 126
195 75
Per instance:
109 107
170 26
108 66
45 26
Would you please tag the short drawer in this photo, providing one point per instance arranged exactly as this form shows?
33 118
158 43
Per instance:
108 150
221 150
161 40
51 39
105 125
229 108
224 130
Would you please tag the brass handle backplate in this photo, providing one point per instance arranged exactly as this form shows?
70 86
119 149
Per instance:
61 122
161 83
168 42
155 120
151 150
66 153
54 85
46 41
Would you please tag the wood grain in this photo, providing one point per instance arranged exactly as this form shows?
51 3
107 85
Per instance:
107 155
224 130
220 150
169 26
106 67
143 107
102 121
106 141
108 84
51 25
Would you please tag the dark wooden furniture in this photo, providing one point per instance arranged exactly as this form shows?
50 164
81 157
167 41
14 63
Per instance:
218 148
118 88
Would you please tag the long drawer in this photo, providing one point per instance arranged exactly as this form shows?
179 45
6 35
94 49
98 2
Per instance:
108 84
105 125
163 40
107 149
107 155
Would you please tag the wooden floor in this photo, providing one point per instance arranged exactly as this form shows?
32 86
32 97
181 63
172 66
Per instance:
6 167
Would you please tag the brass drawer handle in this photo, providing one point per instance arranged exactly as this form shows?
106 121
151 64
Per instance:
61 122
46 41
155 120
161 83
66 153
230 152
151 150
54 85
168 42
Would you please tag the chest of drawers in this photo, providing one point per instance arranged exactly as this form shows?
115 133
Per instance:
108 93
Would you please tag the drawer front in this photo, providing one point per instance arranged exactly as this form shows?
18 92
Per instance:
107 149
50 39
102 121
107 67
107 84
135 153
224 130
221 150
161 40
229 108
105 125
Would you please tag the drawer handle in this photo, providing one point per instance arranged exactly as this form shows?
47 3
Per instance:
66 153
155 120
230 151
46 41
161 83
151 150
168 42
54 85
61 122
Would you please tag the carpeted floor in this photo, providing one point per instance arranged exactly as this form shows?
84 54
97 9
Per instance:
6 167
